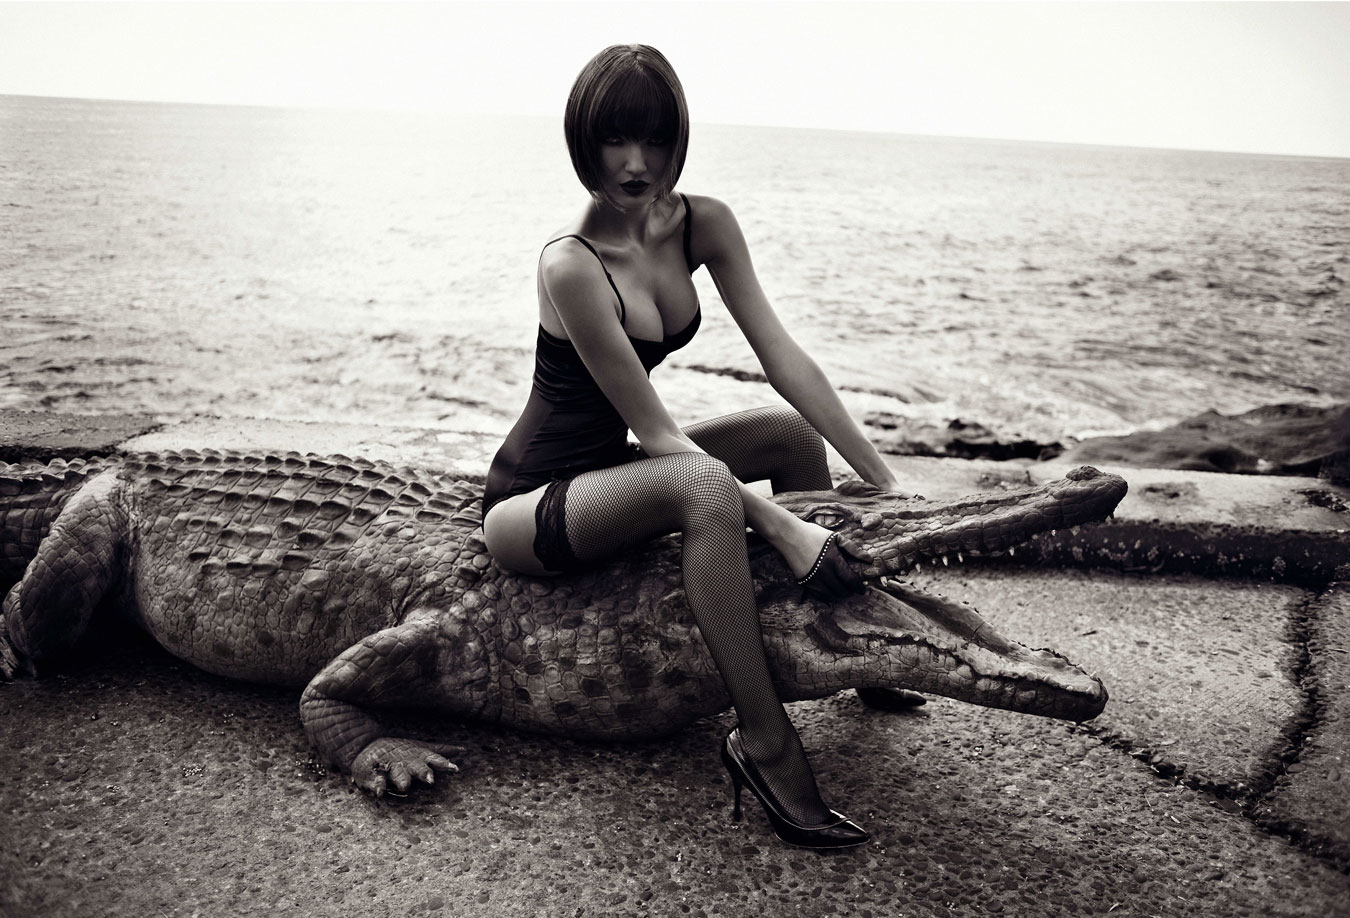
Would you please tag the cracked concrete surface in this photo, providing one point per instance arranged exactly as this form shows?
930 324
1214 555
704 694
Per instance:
1201 678
1311 797
1213 785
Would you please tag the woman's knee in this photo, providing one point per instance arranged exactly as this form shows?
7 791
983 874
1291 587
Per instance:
708 488
700 470
794 429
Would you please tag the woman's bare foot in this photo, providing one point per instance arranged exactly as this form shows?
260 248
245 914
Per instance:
802 547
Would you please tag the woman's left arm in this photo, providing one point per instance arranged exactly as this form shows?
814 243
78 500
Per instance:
721 245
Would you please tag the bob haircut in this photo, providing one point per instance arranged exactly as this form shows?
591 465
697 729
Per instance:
628 91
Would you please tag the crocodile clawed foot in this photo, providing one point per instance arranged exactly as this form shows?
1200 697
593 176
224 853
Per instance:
392 761
11 667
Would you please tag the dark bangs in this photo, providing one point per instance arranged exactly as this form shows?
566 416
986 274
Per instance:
636 107
627 91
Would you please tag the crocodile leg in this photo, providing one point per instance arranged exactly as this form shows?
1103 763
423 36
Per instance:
389 667
77 563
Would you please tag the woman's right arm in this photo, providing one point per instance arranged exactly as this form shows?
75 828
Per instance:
584 302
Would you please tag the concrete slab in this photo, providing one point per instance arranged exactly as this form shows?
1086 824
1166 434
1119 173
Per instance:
1201 673
43 434
1312 798
134 785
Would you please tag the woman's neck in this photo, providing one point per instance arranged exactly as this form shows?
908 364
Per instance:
634 224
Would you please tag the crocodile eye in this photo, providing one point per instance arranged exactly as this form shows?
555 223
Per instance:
827 518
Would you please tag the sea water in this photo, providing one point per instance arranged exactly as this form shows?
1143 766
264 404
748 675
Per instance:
379 267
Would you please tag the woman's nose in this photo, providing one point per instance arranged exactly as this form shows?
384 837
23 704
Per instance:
634 158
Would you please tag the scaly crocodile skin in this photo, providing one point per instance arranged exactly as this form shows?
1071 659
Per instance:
371 586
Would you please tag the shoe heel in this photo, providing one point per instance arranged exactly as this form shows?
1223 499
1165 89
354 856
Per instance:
736 783
837 834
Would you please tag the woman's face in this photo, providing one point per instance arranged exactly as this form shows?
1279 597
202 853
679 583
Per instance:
632 167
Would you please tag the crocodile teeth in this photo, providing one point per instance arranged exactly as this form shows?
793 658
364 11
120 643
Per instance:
960 558
944 561
1012 552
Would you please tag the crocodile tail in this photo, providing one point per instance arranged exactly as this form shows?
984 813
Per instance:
31 497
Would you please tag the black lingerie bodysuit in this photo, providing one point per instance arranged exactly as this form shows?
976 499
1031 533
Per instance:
568 425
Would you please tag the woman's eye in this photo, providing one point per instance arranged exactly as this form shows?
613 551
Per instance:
612 141
657 141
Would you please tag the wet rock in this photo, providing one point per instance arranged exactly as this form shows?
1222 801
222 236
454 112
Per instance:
1288 439
959 439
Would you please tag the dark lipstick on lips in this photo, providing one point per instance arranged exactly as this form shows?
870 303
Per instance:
634 188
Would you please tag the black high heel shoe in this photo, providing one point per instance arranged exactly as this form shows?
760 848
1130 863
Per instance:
830 578
838 834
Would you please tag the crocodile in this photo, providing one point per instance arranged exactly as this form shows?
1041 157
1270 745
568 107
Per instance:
370 586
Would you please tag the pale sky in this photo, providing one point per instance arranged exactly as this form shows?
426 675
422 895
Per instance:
1249 77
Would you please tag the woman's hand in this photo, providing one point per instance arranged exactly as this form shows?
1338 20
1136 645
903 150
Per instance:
886 482
856 487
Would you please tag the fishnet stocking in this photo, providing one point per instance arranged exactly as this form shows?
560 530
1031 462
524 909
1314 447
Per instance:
773 443
698 495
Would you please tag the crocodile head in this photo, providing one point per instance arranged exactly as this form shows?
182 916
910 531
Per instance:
898 636
891 533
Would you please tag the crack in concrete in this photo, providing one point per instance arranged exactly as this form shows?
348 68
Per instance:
1308 677
1301 673
1285 751
1236 797
1236 794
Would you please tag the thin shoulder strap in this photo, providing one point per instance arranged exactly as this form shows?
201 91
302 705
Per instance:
688 231
623 310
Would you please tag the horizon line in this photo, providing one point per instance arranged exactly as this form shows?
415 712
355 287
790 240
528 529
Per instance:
426 110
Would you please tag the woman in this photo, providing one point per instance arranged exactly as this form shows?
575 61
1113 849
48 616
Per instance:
567 490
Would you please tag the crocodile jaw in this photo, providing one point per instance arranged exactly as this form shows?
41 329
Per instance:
892 534
899 637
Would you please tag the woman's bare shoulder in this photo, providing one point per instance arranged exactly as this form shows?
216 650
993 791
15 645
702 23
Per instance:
716 233
707 207
571 277
565 254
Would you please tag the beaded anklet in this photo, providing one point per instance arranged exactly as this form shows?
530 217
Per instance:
820 559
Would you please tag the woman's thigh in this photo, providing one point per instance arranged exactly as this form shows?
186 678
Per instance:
612 509
509 531
598 514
